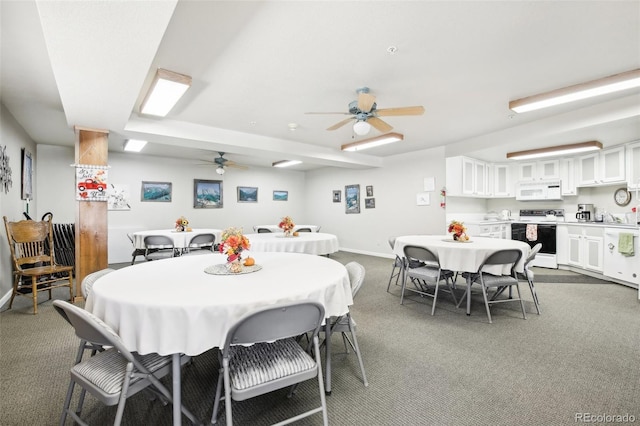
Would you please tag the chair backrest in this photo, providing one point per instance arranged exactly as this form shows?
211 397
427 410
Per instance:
158 242
276 322
30 242
263 230
304 230
420 254
130 236
90 279
356 276
532 254
503 257
392 242
202 240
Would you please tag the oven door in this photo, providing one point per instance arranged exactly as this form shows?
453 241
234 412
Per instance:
546 235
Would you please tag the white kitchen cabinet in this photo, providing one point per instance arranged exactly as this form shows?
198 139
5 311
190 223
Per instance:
539 170
602 168
491 230
633 165
585 248
466 177
500 182
568 177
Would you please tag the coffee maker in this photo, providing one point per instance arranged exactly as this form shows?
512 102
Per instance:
586 213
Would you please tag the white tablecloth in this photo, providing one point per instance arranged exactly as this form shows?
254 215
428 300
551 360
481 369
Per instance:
305 242
274 228
467 256
172 306
180 239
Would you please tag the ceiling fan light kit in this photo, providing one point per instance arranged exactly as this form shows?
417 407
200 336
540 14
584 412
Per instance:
286 163
165 91
220 170
372 142
134 145
555 150
361 128
610 84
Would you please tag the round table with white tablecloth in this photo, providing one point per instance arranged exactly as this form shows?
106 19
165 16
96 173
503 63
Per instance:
304 242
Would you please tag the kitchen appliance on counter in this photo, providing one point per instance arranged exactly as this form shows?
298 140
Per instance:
586 213
505 215
539 226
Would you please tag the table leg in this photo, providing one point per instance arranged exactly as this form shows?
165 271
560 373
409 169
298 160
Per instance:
327 348
469 294
175 376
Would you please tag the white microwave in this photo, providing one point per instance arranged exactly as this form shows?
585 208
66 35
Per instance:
540 190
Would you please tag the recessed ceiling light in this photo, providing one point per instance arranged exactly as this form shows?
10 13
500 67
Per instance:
293 126
134 145
286 163
373 142
165 91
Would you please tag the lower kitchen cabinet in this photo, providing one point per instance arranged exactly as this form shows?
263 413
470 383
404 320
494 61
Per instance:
584 248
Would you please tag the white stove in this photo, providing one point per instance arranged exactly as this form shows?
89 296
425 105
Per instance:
542 216
539 226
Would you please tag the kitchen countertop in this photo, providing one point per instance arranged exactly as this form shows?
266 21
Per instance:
551 222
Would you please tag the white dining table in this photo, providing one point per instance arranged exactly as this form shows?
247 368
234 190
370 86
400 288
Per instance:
305 242
465 256
180 238
275 228
173 306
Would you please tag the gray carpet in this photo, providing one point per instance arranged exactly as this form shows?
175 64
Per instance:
580 356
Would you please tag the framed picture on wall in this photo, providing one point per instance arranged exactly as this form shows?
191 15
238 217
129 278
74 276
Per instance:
352 199
280 195
369 203
156 191
247 194
337 196
369 191
207 194
27 174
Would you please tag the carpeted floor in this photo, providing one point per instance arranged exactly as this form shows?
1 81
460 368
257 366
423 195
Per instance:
581 355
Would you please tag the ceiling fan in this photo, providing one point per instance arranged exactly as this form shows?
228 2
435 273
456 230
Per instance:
364 111
222 163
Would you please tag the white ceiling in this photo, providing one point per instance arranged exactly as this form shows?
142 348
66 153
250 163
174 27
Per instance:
258 66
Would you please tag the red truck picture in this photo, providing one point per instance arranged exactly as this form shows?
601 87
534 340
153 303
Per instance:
92 184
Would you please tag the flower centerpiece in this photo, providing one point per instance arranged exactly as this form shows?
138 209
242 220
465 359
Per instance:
287 225
233 242
181 224
458 230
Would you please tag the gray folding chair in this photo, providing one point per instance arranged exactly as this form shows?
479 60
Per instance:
528 274
346 324
304 230
499 282
398 265
264 230
274 359
115 374
200 244
158 247
136 251
428 274
90 279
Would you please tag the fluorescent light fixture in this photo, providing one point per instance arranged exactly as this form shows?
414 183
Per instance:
372 142
361 128
555 150
286 163
134 145
165 91
613 83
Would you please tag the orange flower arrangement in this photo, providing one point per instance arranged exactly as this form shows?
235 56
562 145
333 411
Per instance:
458 230
233 243
286 224
182 223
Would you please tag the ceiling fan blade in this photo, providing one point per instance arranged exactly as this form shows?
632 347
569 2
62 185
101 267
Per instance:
333 113
365 102
341 123
235 165
388 112
380 125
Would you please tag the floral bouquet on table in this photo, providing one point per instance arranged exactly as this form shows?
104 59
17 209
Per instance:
233 242
287 225
181 224
458 230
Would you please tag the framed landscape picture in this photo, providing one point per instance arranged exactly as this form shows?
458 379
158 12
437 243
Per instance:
207 194
352 199
156 191
247 194
280 195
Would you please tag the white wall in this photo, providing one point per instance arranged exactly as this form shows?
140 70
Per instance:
396 212
11 205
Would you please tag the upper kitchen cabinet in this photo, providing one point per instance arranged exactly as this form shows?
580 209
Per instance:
539 170
633 165
500 182
568 177
602 168
466 177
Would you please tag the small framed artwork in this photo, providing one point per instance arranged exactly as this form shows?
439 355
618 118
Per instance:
369 203
280 195
337 196
247 194
207 194
369 191
27 174
156 191
352 199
